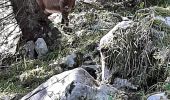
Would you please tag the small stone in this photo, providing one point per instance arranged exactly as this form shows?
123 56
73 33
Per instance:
41 47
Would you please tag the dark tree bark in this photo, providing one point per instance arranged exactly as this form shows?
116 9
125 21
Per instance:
34 24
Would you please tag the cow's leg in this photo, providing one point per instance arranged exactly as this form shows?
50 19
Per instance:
62 20
65 19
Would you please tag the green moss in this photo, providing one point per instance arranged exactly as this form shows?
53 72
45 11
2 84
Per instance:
24 76
88 39
90 17
162 3
51 55
167 86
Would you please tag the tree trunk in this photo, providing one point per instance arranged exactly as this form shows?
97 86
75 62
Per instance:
34 24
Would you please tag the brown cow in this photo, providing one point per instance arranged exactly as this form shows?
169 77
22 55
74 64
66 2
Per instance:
53 6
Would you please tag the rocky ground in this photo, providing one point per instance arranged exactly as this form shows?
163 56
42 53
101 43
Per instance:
138 54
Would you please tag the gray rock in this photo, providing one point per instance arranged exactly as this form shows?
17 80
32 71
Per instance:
158 96
75 84
41 47
107 41
73 60
166 20
11 96
69 60
89 1
123 83
56 18
5 98
9 29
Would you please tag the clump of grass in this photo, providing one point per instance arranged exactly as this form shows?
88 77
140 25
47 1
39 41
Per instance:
133 51
162 11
